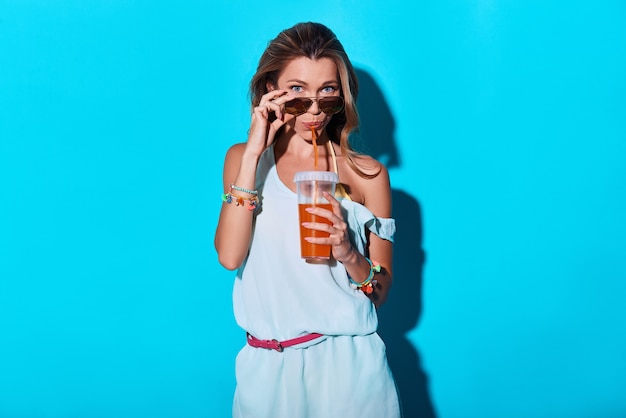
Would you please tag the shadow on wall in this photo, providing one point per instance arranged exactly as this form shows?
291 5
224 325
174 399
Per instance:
377 126
401 312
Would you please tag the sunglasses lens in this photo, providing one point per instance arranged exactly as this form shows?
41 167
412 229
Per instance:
328 105
331 105
298 106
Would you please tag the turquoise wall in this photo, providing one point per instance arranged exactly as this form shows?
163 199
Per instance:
503 124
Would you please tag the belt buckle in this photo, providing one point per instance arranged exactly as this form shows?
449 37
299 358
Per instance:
278 346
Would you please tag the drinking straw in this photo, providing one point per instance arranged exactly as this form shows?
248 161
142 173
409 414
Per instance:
314 137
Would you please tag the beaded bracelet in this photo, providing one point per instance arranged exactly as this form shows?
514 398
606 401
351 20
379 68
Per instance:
231 197
367 286
241 189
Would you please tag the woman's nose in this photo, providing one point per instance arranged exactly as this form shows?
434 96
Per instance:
315 107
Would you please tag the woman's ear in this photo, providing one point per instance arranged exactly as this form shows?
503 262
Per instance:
270 86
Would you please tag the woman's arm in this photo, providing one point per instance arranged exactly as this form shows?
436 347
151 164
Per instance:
234 228
376 194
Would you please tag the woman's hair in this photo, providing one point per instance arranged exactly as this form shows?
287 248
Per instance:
314 41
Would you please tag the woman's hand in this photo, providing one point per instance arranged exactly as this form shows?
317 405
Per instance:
263 127
338 239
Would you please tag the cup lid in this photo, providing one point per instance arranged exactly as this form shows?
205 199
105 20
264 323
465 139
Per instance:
329 176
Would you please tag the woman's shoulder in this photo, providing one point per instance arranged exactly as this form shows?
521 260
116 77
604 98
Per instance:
364 169
370 187
235 152
375 175
236 149
371 167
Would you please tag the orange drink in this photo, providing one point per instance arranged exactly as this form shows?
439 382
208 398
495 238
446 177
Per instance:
310 186
307 249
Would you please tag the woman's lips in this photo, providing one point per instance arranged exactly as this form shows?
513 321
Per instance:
310 125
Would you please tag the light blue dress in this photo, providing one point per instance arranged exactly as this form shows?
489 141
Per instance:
278 295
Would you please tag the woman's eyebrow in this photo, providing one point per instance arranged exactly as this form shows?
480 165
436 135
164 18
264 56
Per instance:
304 83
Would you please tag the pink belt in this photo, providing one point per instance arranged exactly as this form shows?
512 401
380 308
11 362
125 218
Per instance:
280 345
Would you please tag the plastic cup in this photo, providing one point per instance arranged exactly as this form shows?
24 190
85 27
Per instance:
309 186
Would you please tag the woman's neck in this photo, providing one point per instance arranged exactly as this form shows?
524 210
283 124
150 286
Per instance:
300 149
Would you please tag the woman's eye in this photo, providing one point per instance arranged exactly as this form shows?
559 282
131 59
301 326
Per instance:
328 90
296 89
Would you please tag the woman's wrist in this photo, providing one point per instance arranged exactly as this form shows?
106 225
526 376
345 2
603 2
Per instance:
355 262
250 157
367 285
350 259
247 171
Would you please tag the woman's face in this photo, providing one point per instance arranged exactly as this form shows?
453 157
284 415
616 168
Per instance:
304 77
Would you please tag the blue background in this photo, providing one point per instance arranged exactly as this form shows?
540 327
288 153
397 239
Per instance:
503 124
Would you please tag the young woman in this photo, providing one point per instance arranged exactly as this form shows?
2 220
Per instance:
312 348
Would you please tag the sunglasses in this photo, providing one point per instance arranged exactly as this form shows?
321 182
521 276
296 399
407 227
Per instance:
328 105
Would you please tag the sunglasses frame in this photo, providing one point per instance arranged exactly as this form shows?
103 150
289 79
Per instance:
329 110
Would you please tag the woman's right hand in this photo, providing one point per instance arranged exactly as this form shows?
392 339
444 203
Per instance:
262 130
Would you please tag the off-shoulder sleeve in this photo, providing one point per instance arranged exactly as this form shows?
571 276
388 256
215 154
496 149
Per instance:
360 220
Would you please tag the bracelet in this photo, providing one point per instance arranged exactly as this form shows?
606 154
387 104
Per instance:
241 189
231 197
367 286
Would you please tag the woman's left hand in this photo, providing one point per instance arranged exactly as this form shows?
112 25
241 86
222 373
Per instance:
338 238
